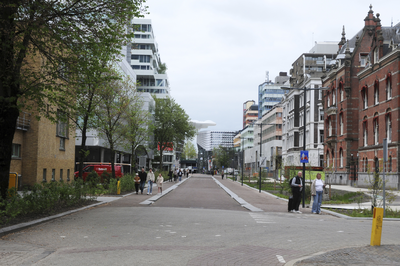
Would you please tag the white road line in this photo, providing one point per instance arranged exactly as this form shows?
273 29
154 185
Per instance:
280 258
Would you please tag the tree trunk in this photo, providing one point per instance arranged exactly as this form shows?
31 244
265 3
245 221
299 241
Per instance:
82 151
8 120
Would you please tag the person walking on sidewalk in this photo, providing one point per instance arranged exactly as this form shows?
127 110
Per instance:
175 174
170 173
160 181
137 183
317 190
222 173
143 178
150 181
297 186
180 175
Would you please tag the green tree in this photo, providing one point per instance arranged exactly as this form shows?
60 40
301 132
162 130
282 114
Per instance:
111 114
223 157
138 127
189 151
171 125
41 43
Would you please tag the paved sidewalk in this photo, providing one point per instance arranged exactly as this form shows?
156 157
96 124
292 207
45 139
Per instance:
130 199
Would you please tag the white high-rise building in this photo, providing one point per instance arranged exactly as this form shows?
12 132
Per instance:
145 60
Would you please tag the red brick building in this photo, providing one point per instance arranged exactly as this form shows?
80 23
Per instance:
361 105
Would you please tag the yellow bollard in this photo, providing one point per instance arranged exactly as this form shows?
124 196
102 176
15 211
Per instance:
12 183
377 227
118 188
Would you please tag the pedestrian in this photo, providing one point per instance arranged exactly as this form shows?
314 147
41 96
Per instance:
137 183
170 173
150 181
180 175
222 174
297 186
175 174
160 180
317 190
143 178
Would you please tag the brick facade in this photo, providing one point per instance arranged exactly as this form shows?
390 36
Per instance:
357 104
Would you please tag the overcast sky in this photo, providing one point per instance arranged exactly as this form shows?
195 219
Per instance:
218 51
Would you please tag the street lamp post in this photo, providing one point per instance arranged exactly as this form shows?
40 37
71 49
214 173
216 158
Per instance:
305 89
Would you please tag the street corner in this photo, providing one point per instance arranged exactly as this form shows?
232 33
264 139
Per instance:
365 255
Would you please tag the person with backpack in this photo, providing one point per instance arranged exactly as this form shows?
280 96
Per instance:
297 186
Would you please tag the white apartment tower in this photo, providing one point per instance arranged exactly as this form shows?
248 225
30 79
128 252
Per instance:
145 60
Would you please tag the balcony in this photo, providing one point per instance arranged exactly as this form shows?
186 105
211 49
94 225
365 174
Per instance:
23 121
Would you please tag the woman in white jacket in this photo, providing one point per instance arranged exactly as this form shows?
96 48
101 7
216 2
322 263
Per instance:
317 191
150 181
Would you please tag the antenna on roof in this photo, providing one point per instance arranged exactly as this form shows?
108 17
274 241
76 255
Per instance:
267 76
391 24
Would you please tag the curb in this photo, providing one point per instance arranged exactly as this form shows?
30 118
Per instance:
241 201
168 190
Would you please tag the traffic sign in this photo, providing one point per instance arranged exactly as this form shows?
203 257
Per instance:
304 157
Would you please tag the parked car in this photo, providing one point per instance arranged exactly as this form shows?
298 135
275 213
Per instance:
99 169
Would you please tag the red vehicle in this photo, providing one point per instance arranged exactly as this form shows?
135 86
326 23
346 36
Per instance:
99 169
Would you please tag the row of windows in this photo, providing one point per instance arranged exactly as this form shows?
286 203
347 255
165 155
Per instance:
162 91
152 82
142 36
141 58
141 47
364 162
142 27
53 175
141 67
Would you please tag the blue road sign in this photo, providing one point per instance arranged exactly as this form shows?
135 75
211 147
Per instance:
303 156
222 167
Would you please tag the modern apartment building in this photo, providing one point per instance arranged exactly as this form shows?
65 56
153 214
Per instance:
145 60
270 93
361 106
306 71
250 113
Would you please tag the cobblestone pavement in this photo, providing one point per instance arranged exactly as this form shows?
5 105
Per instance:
368 255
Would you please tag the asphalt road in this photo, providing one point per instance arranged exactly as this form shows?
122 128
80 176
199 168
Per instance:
196 224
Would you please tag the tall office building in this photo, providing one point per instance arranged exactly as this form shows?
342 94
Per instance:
270 93
144 58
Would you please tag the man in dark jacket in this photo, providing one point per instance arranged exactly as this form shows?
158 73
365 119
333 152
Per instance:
143 177
297 186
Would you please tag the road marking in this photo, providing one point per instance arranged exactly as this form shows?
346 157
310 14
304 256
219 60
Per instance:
217 235
340 231
261 218
280 258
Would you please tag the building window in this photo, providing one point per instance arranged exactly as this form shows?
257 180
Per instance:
62 128
327 159
330 126
376 161
365 133
341 124
16 151
61 174
388 89
44 175
364 96
376 130
321 115
363 60
341 94
321 160
389 168
333 160
53 175
68 172
341 158
333 97
328 100
376 94
321 136
388 127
